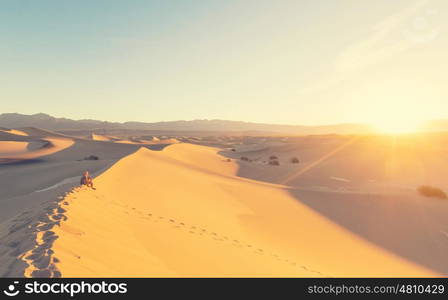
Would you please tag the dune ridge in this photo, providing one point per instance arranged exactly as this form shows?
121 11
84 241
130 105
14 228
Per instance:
184 212
14 132
12 147
98 137
133 140
20 151
31 143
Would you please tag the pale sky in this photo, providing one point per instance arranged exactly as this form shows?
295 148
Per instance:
286 61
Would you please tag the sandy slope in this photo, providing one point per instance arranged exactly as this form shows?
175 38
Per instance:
133 141
32 178
183 212
54 144
366 184
128 142
97 137
12 147
30 143
147 142
15 131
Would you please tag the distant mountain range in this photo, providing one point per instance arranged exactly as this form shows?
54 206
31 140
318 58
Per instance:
45 121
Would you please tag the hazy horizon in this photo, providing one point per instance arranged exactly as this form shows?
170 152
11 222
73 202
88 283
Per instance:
209 119
175 120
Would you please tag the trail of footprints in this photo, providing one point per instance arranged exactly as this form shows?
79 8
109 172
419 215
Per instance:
30 238
41 256
202 231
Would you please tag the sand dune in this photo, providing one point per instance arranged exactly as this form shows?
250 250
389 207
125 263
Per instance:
97 137
106 138
133 140
14 131
367 184
149 142
184 212
39 132
31 186
6 136
30 143
11 147
165 141
129 142
53 145
188 211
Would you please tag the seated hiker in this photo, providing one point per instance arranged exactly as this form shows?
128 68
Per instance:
87 180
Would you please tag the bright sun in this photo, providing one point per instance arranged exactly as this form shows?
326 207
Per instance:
397 126
396 117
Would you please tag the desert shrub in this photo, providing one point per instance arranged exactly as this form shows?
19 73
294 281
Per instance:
272 157
295 160
432 192
91 157
233 150
244 158
228 160
274 163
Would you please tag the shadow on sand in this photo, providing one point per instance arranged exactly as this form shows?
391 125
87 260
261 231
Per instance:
16 162
412 227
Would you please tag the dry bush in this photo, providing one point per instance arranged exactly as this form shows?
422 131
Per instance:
92 157
273 157
244 158
295 160
431 192
274 163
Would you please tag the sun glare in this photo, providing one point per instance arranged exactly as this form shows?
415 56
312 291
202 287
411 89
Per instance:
398 126
397 116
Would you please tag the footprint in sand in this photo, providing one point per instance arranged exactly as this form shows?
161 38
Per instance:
235 243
